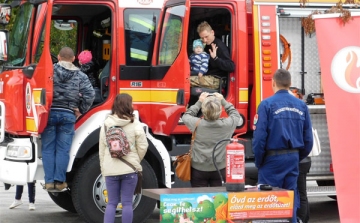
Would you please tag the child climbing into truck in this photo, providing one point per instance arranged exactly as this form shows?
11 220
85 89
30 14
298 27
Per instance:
88 67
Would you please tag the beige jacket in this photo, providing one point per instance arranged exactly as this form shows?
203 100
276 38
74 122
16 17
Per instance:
138 142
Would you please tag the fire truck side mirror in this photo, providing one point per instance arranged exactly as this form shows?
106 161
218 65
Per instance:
29 71
5 14
3 45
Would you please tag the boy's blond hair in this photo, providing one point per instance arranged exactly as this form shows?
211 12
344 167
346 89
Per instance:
203 26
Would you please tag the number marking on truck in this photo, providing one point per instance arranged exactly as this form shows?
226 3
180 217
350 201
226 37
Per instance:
136 84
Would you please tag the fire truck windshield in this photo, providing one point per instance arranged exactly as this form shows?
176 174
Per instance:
18 34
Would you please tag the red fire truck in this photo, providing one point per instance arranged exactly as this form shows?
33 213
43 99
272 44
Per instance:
142 48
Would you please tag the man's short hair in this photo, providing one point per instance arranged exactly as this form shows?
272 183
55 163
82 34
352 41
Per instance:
282 78
67 54
203 26
211 108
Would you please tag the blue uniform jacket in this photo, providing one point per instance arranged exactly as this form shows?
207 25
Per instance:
282 122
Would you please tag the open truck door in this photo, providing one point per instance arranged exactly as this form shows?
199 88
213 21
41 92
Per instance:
156 70
170 66
24 76
39 87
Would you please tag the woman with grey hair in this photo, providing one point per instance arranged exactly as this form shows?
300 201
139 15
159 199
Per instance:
210 131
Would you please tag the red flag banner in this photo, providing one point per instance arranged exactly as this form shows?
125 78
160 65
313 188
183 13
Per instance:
339 51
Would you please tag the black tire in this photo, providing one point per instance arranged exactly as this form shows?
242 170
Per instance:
63 200
89 185
327 183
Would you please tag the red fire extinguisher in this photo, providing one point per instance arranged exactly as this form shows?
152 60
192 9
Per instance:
235 165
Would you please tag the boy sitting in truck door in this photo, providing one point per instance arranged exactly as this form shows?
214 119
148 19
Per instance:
199 60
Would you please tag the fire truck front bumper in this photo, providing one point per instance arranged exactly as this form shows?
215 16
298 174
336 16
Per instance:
18 161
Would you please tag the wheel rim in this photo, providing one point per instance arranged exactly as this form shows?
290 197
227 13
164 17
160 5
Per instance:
100 196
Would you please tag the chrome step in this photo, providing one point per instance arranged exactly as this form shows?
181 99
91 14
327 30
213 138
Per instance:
315 191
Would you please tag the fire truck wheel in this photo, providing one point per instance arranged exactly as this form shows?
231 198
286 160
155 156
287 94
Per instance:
63 200
89 193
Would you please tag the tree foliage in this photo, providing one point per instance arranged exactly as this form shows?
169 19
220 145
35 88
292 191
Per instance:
61 38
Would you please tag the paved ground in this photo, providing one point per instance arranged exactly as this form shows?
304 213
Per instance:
46 210
323 210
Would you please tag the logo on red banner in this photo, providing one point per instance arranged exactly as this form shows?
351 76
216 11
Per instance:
145 2
340 74
345 69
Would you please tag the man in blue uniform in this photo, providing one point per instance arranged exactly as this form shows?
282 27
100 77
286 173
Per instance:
282 136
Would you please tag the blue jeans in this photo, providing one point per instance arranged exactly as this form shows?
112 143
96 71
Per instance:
31 191
56 143
124 184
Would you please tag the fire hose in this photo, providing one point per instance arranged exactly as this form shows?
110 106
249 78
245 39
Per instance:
287 52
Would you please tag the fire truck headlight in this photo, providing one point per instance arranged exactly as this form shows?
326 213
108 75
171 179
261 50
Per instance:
18 152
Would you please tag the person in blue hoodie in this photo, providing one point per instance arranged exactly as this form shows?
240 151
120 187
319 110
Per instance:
282 137
73 95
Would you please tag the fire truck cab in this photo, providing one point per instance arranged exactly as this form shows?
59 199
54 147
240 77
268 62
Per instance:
141 47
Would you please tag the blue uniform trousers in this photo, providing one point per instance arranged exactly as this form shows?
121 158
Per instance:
282 171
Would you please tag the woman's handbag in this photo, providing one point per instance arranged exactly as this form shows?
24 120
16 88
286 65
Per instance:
183 162
139 174
183 166
316 149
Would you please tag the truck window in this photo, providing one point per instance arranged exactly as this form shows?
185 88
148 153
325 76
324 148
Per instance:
140 28
171 35
40 44
63 33
40 47
19 35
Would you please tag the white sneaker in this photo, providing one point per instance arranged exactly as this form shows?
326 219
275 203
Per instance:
32 206
15 204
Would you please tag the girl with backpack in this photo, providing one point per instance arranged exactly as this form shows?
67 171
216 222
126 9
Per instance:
120 178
